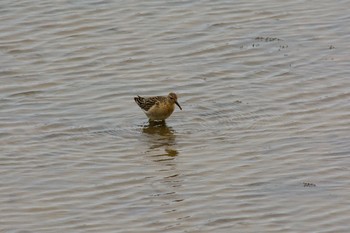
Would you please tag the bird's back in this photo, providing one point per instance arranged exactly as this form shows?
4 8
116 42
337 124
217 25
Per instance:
146 103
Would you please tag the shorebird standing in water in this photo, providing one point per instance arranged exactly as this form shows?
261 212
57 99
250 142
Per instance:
158 108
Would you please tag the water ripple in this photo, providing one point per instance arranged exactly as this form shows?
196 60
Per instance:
261 143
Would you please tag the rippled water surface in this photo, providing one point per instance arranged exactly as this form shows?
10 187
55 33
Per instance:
262 143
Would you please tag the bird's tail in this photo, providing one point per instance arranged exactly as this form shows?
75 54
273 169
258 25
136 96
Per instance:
139 100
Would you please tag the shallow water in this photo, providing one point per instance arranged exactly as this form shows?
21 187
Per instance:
262 143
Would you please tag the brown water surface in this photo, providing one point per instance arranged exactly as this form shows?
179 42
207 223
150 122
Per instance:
262 143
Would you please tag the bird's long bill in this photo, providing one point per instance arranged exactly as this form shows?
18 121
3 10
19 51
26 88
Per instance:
178 104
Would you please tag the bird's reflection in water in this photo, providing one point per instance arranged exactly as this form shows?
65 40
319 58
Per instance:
161 142
159 136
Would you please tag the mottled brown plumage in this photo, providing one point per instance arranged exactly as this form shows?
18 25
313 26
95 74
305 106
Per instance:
158 108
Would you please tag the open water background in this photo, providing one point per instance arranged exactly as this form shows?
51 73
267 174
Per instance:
262 143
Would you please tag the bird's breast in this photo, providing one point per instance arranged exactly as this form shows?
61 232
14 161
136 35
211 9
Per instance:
160 111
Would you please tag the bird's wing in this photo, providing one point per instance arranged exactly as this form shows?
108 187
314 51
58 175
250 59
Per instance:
147 103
